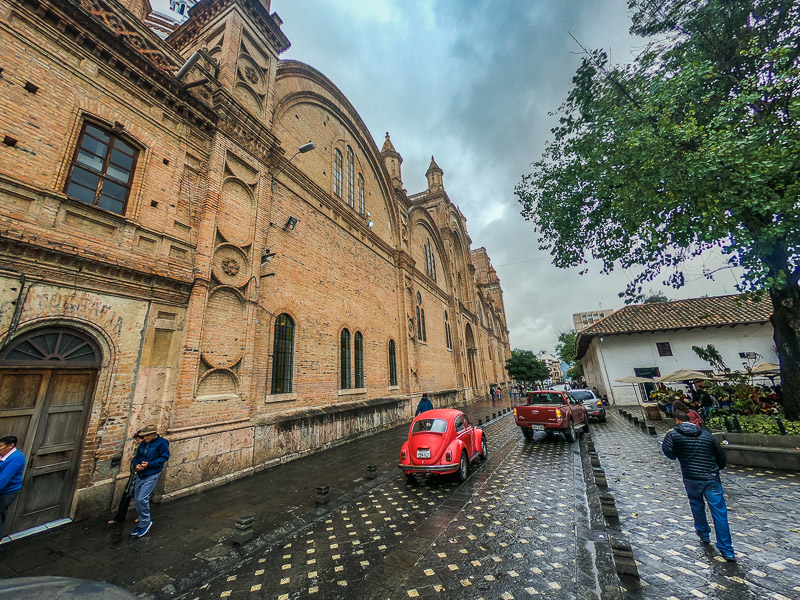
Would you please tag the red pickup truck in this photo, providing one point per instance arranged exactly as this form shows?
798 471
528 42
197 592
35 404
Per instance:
551 411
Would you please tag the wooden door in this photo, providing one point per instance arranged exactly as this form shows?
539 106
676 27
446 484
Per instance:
46 408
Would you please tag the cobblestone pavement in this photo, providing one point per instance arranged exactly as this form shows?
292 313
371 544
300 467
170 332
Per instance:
508 532
655 515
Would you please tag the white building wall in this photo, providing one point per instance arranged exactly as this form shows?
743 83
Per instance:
622 354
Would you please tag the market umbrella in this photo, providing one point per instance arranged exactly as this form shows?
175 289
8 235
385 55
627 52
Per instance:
635 379
683 375
766 368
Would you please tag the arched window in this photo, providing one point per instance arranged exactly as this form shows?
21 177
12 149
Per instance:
447 338
419 325
358 351
59 347
283 355
351 184
392 363
344 359
362 203
424 333
430 260
337 172
421 334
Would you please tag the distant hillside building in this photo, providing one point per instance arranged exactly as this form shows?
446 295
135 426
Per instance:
651 340
553 363
173 251
582 320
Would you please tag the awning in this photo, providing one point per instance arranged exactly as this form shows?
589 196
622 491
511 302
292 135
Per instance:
766 368
683 375
635 379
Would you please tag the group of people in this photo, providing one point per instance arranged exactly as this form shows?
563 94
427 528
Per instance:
152 453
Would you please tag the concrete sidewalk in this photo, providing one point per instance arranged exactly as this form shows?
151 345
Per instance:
191 536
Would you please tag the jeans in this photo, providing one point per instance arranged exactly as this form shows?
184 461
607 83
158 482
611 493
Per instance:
5 501
141 498
710 491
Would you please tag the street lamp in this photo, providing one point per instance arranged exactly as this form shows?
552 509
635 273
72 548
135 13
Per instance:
307 147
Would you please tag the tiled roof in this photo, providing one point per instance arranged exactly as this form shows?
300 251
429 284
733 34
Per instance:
680 314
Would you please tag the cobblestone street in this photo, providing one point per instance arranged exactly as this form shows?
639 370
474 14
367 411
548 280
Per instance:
508 532
655 514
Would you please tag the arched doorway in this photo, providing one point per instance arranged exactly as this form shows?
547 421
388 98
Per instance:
469 340
47 379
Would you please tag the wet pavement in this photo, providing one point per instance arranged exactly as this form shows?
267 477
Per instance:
655 515
191 538
523 525
507 532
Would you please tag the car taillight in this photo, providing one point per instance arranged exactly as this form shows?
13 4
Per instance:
558 413
402 455
448 456
515 412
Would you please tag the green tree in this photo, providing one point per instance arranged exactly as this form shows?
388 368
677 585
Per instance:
655 298
692 146
565 350
523 366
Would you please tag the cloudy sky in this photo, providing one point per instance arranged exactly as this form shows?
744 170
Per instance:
472 84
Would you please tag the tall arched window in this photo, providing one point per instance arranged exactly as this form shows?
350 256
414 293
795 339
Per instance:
337 172
358 351
392 363
344 359
362 203
424 333
351 184
421 335
430 260
283 355
447 338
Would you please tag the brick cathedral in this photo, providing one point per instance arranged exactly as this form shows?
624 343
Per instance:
198 234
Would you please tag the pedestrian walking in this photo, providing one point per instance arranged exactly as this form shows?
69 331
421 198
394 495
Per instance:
12 467
499 394
127 493
424 404
149 460
492 393
701 458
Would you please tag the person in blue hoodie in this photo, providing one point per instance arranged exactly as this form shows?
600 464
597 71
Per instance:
701 458
424 404
12 467
149 460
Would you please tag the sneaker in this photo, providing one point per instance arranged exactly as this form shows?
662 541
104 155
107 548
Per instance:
136 531
729 557
705 541
144 530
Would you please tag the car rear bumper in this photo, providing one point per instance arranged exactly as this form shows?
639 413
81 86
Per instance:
547 426
447 468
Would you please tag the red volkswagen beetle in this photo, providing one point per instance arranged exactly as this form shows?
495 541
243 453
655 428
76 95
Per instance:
442 441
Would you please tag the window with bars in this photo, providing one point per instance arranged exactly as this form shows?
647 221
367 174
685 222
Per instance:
283 355
362 204
337 172
344 359
392 363
358 355
102 169
351 191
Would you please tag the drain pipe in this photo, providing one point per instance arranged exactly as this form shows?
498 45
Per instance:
12 328
188 65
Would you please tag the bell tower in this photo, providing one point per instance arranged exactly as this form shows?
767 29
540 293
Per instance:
393 162
434 175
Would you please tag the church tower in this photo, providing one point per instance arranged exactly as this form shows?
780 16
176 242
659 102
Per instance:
393 160
434 175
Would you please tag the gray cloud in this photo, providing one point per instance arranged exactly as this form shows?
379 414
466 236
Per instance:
472 83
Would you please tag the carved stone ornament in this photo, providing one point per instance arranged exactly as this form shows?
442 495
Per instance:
251 74
230 266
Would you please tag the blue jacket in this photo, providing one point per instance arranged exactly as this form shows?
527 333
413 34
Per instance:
155 454
698 451
424 404
11 470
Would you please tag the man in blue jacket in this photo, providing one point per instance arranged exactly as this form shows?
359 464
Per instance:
148 462
12 466
701 458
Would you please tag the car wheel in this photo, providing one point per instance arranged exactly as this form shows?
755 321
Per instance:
586 426
602 419
484 449
410 477
463 468
569 434
527 433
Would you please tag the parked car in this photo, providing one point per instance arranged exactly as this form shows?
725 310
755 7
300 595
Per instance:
442 441
551 411
594 405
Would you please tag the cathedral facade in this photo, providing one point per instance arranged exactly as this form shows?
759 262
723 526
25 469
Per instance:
197 234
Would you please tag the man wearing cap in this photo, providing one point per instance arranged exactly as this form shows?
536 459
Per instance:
148 462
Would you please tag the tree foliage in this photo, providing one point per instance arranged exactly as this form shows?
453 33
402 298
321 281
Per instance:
655 298
566 350
523 366
694 145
